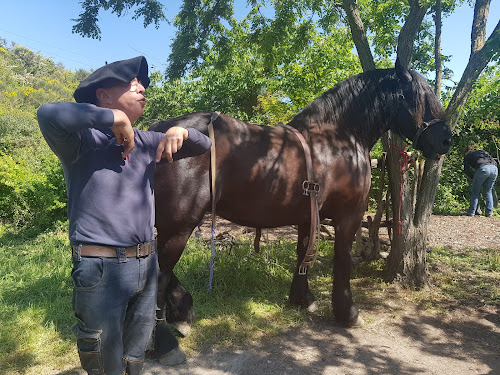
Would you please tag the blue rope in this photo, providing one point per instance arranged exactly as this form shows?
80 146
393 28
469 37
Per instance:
212 246
197 234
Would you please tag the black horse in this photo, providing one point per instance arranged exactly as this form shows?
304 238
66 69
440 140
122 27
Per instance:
260 170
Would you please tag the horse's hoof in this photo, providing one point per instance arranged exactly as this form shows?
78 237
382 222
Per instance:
358 322
312 307
183 328
173 358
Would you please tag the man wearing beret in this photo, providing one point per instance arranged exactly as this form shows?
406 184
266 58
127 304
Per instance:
109 170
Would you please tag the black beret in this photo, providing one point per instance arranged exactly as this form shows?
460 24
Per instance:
121 71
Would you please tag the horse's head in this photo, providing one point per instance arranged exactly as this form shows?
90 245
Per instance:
420 116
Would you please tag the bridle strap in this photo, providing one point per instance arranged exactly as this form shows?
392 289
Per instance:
423 127
312 189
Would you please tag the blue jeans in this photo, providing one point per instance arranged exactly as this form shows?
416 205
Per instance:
114 300
485 178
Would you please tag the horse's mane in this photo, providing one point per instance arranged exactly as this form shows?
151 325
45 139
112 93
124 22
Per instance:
367 99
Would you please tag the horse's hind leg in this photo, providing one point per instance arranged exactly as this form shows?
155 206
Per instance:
299 291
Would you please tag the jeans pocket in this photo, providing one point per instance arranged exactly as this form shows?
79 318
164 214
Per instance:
88 273
89 349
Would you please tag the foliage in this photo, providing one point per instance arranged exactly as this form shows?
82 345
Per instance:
87 22
478 127
32 190
235 76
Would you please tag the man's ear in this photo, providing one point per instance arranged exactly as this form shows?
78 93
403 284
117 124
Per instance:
102 95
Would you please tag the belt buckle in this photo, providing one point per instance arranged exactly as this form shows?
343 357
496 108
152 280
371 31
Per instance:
138 250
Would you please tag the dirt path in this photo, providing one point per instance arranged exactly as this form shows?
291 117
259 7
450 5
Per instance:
397 338
410 343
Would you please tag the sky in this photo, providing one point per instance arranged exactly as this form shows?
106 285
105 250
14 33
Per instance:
45 27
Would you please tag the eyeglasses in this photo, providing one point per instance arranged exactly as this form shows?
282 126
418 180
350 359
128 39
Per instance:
134 87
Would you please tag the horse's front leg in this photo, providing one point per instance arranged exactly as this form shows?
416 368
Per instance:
300 294
175 303
344 310
174 300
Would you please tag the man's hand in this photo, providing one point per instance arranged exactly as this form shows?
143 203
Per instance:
122 129
171 143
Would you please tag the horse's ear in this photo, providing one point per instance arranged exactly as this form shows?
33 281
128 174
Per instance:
402 72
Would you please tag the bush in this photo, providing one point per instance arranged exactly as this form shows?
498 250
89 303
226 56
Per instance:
31 191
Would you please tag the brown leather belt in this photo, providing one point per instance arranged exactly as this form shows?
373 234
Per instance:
138 251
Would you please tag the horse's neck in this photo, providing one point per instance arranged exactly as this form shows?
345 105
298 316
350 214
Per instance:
365 116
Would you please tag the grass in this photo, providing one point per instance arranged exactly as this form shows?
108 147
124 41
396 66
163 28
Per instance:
248 300
35 304
470 276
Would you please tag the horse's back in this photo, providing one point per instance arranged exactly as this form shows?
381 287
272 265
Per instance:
197 120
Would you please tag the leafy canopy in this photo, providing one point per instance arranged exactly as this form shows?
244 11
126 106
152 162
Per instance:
87 23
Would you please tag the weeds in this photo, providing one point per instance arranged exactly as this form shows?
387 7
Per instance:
248 300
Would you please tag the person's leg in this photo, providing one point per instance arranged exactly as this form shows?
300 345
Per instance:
141 314
102 289
488 187
479 178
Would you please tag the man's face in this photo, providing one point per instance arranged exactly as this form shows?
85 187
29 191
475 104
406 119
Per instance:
128 97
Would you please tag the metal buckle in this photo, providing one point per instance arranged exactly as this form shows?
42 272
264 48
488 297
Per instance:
309 186
138 250
302 270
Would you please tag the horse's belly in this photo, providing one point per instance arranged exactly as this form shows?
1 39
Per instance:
264 210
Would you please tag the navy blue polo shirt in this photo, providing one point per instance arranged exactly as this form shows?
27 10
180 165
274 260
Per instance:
110 200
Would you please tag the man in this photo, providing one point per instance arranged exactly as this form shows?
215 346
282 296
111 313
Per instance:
482 168
109 170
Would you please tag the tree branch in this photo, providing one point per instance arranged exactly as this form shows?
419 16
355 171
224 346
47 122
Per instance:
359 35
478 34
477 62
409 31
437 50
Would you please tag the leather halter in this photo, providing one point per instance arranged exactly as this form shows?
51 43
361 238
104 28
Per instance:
312 189
423 126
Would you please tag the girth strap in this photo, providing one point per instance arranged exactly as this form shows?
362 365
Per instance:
213 166
213 162
312 189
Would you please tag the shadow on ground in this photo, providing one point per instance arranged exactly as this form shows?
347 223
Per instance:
467 342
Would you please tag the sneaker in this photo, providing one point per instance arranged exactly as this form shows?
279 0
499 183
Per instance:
488 214
173 358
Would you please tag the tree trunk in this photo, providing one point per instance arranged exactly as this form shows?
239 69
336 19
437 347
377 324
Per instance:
407 258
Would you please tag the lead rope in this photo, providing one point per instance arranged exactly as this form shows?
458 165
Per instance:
405 162
213 174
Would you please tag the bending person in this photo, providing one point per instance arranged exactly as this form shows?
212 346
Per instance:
482 168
